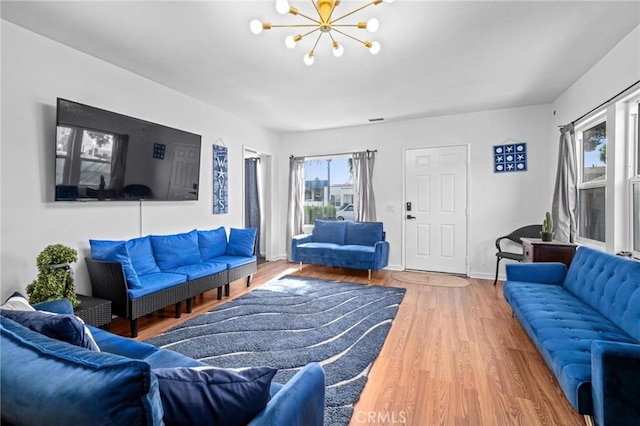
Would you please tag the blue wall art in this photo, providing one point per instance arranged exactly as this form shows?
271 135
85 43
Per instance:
511 157
220 180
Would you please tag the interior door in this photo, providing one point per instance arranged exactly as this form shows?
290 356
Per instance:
436 209
184 173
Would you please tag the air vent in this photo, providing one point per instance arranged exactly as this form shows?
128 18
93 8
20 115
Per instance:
375 120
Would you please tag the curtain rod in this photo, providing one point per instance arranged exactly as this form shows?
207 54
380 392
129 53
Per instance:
604 103
334 155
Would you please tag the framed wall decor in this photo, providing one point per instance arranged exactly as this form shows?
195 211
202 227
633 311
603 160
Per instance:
220 178
510 157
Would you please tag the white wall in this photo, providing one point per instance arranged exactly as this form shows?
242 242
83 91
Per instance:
499 203
35 71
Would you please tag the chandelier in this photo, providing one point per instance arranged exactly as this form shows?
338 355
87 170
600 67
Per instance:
324 23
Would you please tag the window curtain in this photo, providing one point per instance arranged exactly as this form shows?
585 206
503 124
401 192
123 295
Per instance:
564 207
251 198
364 200
118 162
295 213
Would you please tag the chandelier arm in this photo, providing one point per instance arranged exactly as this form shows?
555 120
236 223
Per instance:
316 44
354 11
309 18
350 36
295 26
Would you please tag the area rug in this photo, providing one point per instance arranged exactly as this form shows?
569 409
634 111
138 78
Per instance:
430 278
290 322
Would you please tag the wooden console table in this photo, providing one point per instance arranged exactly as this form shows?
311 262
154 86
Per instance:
536 250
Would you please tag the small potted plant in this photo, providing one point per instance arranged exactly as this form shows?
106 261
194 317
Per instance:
547 228
55 276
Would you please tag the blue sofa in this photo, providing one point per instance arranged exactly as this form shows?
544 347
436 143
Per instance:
142 275
345 244
585 322
46 381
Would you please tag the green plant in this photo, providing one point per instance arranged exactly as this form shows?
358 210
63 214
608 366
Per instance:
55 277
547 224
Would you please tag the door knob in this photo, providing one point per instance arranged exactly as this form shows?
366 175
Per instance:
410 217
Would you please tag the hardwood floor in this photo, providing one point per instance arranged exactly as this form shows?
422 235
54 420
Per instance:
454 356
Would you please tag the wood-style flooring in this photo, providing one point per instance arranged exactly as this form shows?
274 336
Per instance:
453 356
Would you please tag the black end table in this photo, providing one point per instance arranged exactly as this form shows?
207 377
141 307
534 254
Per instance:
94 311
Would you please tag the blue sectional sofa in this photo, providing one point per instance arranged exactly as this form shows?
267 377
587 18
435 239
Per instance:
47 381
142 275
346 244
585 322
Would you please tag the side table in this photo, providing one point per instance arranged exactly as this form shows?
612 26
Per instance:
536 250
93 310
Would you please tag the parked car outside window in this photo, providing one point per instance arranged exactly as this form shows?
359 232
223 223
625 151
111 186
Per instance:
346 213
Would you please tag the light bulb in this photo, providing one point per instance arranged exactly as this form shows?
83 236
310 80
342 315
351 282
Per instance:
372 25
290 42
338 50
309 58
282 6
375 48
255 26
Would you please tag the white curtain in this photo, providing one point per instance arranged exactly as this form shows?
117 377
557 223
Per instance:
364 200
564 207
295 213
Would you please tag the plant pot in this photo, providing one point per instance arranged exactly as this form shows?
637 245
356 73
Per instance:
546 236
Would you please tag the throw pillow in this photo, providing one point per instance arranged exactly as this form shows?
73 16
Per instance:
241 242
212 243
141 253
17 302
67 328
213 396
176 250
116 251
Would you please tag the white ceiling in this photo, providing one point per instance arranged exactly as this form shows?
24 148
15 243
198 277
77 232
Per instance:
437 57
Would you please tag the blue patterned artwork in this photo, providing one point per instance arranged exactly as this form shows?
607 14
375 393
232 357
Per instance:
220 180
510 157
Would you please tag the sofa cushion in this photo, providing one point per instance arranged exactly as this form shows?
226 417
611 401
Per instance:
67 328
212 243
55 383
329 231
199 270
241 242
115 251
235 261
214 396
174 251
609 284
153 283
317 250
141 253
363 233
358 253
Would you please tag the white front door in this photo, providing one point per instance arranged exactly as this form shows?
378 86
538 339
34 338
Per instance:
184 173
436 209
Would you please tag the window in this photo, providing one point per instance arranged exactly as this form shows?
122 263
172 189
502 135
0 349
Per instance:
83 156
634 137
592 191
328 189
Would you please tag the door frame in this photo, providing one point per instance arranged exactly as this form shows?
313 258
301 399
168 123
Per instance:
267 193
404 200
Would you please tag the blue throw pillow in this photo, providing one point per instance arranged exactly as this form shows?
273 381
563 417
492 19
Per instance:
176 250
116 251
241 242
67 328
212 243
141 254
213 396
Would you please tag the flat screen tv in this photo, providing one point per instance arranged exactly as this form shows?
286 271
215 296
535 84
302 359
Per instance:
105 156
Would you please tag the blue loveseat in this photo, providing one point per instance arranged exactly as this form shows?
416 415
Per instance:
345 244
585 322
46 381
142 275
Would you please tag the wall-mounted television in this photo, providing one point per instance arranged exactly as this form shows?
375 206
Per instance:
106 156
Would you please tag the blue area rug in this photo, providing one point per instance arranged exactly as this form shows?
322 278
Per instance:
290 322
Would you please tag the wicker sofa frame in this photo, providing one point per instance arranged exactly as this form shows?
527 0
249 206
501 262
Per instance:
108 282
